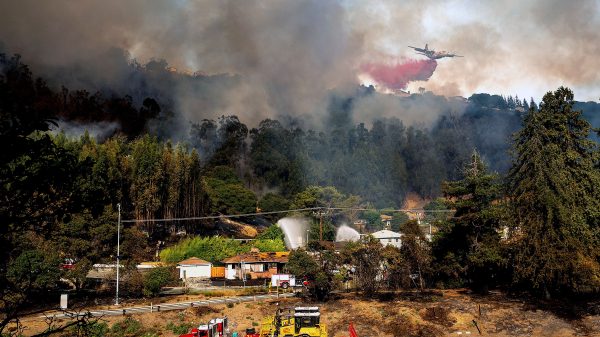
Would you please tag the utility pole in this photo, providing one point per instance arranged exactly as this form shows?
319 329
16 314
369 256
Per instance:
320 213
118 251
321 226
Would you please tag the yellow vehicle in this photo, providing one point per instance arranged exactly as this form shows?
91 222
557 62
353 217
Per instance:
296 322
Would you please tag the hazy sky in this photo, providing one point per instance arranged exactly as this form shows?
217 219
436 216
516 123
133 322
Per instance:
301 48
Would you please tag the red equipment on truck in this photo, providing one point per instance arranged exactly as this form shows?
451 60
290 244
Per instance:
216 327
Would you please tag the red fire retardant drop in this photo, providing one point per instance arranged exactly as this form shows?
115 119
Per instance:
397 76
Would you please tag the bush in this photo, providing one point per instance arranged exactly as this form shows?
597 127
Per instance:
157 278
179 329
128 327
97 329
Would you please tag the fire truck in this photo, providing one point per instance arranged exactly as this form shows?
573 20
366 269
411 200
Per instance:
216 327
283 280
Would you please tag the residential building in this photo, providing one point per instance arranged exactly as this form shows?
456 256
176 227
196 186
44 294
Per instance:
194 268
386 220
387 237
255 265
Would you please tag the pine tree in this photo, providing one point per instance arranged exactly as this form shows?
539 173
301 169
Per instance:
554 192
467 247
532 104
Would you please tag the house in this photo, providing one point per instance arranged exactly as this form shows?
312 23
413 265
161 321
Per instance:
360 225
194 267
387 237
255 265
386 220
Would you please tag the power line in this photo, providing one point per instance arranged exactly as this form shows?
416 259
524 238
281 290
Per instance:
223 216
413 210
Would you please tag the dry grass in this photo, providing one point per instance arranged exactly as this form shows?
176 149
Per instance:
401 314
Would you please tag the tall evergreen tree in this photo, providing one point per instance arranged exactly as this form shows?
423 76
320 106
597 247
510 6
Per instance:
554 192
467 248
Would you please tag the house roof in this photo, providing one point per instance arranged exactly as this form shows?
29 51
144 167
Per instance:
386 234
255 257
193 261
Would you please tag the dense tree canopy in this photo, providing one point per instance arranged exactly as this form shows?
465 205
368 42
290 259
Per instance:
555 198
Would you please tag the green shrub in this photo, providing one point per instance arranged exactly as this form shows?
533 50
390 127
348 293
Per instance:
126 328
157 278
179 329
97 329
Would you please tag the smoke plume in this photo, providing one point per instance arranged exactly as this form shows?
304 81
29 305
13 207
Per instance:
397 76
266 59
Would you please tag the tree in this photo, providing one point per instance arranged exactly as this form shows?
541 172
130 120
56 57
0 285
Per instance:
367 258
38 182
156 279
326 197
467 247
396 269
317 273
273 232
30 273
416 252
554 193
373 218
272 203
227 194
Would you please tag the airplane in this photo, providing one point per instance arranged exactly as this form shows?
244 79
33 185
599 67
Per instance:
432 54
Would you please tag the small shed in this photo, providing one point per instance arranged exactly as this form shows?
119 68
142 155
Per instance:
194 267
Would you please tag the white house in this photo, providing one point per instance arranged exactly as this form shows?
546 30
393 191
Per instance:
194 268
387 237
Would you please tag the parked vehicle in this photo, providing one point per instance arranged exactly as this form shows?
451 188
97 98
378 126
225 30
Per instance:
283 280
67 264
216 327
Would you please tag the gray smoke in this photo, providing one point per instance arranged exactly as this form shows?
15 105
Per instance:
285 56
99 130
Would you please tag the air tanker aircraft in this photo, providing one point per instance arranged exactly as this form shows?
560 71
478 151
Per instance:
432 54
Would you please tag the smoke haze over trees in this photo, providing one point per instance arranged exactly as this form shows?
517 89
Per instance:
197 109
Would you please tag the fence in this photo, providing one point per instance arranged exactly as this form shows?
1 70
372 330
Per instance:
169 306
